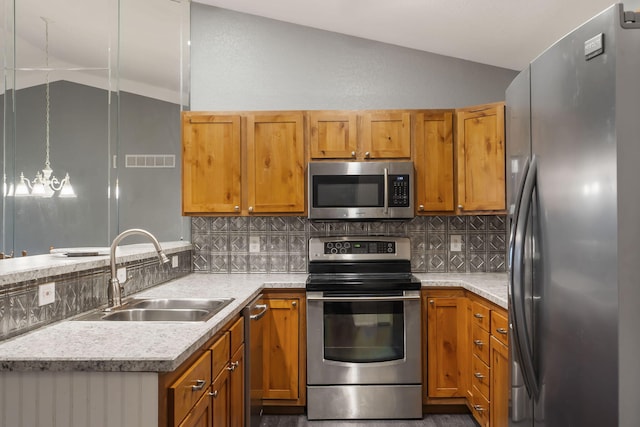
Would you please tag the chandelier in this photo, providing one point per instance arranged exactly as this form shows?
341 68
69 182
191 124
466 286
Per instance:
45 184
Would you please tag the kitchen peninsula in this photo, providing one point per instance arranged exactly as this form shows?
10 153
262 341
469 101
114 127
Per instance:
77 364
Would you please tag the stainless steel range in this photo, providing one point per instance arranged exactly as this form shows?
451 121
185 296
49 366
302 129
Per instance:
363 329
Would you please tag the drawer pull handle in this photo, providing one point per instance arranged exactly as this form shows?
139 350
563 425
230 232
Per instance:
232 366
502 331
199 385
214 394
478 408
479 343
478 316
478 375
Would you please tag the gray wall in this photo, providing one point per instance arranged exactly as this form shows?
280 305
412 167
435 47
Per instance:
245 62
79 135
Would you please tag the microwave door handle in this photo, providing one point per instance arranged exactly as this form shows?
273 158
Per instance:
386 191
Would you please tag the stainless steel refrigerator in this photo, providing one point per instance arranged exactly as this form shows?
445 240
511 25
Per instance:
573 160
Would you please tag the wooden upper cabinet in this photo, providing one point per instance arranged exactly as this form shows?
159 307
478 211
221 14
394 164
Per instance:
386 135
481 158
433 161
210 163
276 163
333 135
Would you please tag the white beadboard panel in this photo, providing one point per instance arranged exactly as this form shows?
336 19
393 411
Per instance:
78 399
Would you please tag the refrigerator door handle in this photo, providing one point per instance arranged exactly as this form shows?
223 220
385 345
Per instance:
521 340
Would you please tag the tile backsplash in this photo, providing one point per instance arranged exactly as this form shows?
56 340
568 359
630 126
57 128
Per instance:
77 292
279 244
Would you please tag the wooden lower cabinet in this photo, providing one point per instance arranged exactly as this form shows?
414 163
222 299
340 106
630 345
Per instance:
208 390
445 314
467 354
284 364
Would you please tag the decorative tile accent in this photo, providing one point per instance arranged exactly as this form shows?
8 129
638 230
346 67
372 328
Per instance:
82 291
223 246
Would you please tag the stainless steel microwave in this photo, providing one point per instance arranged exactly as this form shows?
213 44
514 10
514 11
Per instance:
360 190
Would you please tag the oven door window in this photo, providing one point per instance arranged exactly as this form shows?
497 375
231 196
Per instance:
364 332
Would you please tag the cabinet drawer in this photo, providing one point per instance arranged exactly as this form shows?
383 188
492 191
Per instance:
480 408
187 390
480 343
237 335
220 354
500 327
480 375
480 315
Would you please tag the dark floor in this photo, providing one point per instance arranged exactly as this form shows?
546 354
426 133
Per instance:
440 420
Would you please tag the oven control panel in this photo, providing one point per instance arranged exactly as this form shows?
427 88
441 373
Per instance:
359 247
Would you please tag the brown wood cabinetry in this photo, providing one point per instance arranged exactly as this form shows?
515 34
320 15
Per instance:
210 163
276 163
445 314
359 135
467 354
284 336
208 390
242 163
480 164
433 161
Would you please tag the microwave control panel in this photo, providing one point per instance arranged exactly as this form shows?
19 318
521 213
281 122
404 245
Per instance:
399 190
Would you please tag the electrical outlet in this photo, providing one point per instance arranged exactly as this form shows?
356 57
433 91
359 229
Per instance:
121 275
174 261
456 243
254 244
46 293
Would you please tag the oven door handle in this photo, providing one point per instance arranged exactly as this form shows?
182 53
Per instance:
386 191
363 298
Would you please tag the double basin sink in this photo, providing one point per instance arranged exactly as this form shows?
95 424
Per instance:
162 310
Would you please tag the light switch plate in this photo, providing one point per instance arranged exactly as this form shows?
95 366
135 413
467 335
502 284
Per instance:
174 261
456 243
254 244
47 293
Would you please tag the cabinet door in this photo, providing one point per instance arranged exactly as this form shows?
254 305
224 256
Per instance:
210 163
433 160
200 415
499 400
386 135
281 347
221 398
481 158
275 163
333 135
446 346
236 404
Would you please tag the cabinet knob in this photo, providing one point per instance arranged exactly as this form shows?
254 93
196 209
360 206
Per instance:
431 302
294 303
478 408
353 154
478 316
460 207
236 208
214 394
478 375
250 208
479 343
421 208
367 154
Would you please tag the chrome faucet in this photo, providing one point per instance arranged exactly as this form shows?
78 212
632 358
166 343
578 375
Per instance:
114 291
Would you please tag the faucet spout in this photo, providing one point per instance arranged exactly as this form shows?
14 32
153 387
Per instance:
114 291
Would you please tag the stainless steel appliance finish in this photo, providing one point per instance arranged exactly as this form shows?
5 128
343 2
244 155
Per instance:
253 315
363 329
360 190
573 152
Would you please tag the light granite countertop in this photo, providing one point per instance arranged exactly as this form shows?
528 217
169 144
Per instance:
163 346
